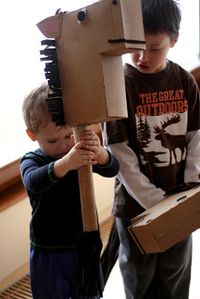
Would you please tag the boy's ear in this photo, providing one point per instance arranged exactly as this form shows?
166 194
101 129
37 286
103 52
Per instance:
31 135
174 41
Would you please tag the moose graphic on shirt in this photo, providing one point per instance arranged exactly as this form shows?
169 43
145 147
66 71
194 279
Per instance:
169 141
174 146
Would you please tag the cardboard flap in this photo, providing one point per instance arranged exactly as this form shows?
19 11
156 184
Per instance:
128 9
168 222
51 27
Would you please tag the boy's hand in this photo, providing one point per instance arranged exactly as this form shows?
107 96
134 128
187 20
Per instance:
88 151
80 155
92 142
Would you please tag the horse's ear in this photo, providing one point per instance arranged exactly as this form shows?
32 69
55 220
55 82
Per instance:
51 27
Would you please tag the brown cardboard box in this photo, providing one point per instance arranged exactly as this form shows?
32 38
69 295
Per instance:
168 222
89 57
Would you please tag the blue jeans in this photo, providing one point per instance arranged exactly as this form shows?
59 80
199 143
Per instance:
163 275
52 274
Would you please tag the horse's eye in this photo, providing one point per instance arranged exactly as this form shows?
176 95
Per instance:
114 2
81 16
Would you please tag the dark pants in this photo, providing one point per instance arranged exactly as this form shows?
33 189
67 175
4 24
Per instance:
163 275
52 274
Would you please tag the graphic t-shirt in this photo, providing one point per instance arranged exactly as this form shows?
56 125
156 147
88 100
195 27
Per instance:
162 108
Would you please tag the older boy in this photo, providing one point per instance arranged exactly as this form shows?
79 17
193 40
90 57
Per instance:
158 149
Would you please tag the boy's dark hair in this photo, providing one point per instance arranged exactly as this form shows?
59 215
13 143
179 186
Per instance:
161 16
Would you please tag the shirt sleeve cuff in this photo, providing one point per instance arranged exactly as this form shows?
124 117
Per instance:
107 165
51 174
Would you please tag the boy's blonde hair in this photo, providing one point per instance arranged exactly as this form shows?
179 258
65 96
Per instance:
35 108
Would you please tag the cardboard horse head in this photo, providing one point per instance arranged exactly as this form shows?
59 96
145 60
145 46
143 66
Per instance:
89 45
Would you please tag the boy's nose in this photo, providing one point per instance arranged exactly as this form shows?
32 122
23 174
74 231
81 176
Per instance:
143 57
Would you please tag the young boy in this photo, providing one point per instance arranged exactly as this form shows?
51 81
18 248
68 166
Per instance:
50 177
158 149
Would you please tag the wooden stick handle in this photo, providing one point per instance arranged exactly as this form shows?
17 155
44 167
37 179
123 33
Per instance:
88 205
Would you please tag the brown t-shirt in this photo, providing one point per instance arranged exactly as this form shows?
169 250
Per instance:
162 108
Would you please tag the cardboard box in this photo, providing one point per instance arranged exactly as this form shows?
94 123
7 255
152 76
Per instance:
90 42
168 222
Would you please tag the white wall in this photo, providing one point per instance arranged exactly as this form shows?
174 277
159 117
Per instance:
14 235
104 193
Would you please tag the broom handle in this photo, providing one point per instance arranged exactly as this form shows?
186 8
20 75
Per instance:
88 205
